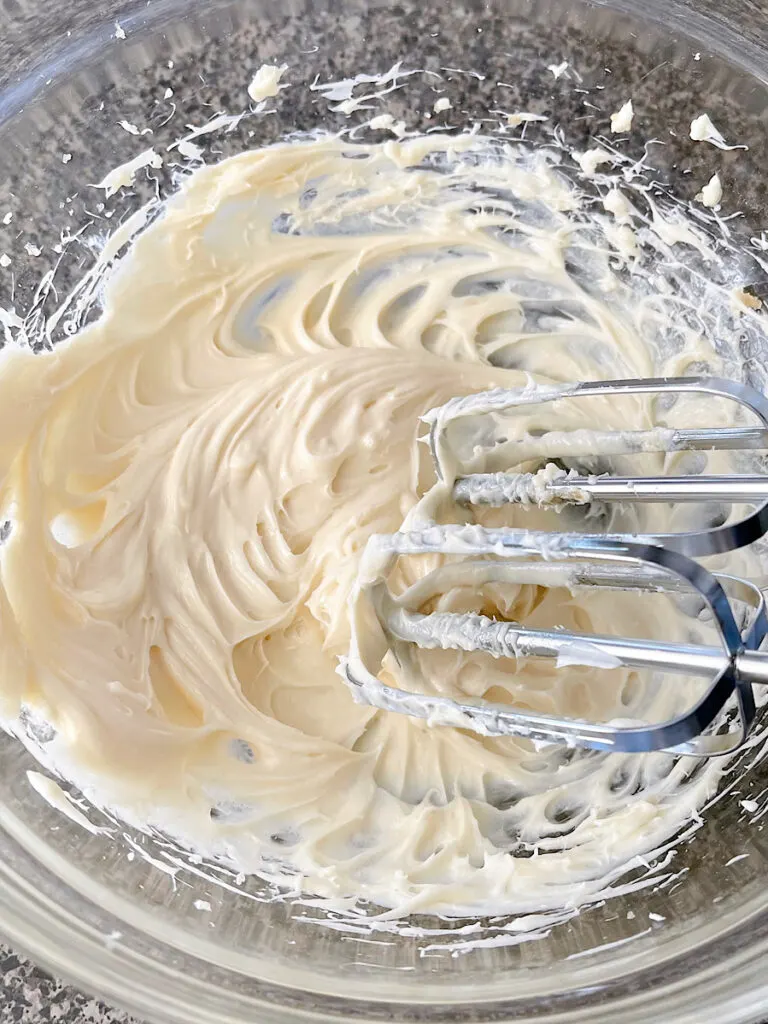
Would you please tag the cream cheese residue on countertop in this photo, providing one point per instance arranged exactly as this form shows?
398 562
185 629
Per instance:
703 130
712 192
266 82
621 121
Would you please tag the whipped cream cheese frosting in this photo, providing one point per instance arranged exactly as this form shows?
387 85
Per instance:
192 479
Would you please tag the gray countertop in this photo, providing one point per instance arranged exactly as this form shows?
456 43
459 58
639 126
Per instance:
29 995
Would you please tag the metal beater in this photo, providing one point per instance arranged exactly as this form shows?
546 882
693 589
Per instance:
473 430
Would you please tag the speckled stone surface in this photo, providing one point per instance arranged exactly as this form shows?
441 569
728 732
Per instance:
29 995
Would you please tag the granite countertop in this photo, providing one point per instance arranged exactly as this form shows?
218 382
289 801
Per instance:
29 995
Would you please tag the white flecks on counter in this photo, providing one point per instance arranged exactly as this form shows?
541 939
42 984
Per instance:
592 159
125 174
386 122
266 82
381 122
558 69
5 260
119 31
190 150
523 117
443 103
226 122
736 859
133 129
703 130
712 192
621 121
341 92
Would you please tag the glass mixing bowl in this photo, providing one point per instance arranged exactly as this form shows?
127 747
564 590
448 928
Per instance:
122 923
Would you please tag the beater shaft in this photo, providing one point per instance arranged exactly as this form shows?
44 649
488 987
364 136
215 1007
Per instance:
473 632
493 489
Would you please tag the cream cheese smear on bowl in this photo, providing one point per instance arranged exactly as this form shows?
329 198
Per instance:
192 478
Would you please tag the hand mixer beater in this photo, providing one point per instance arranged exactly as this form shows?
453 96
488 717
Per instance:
477 431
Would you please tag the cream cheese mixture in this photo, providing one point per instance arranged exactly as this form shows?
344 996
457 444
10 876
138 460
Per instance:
191 481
